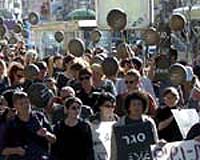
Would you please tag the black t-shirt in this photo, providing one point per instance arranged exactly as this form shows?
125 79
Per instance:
19 133
73 142
4 84
172 132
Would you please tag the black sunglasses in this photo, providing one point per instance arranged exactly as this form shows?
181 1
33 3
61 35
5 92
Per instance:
129 82
84 78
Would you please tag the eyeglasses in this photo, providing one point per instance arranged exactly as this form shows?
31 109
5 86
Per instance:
84 78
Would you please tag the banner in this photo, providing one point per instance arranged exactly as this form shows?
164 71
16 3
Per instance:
185 119
183 150
133 141
139 13
101 134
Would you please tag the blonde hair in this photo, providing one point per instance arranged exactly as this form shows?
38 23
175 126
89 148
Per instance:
134 72
97 68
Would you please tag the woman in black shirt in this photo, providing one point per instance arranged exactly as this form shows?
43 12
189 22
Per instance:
166 124
74 138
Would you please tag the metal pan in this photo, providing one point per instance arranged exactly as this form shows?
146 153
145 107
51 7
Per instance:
76 47
117 19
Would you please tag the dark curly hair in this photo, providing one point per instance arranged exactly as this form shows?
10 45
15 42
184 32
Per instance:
105 96
69 101
136 96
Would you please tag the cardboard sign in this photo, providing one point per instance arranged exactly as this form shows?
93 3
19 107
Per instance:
140 13
133 141
185 119
102 140
183 150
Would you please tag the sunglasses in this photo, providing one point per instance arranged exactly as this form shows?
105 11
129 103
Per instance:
129 82
84 78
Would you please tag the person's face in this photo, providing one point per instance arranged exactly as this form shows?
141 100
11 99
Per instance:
131 82
107 108
22 106
176 77
136 108
59 63
42 74
170 100
73 111
64 93
86 80
19 77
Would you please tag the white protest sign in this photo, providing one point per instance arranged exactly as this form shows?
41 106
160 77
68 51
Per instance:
185 119
183 150
139 13
101 134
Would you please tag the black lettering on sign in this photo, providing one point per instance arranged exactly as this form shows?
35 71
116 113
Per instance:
139 156
177 151
197 151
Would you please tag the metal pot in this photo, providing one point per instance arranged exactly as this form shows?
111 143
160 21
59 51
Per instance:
76 47
117 19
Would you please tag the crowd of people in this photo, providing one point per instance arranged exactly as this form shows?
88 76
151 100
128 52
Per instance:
81 95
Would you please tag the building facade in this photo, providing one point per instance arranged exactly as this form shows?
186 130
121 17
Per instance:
42 7
11 9
60 8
